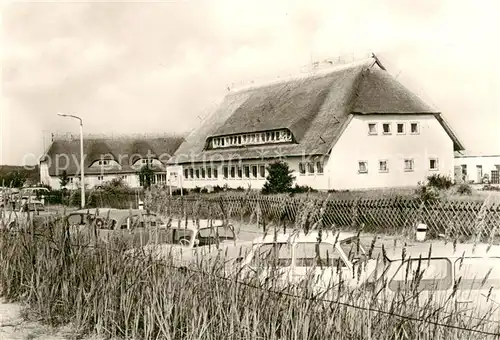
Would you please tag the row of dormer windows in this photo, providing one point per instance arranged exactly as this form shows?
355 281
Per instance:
252 171
277 136
413 128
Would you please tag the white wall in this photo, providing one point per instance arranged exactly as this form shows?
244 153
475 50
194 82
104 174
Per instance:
93 180
341 168
356 144
488 163
44 173
318 181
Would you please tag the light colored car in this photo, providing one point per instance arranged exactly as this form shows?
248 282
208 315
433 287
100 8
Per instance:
33 198
466 278
292 258
189 241
8 197
137 226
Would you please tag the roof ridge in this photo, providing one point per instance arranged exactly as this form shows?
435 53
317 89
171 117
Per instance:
312 73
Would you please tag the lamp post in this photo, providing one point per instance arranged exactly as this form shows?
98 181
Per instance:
82 183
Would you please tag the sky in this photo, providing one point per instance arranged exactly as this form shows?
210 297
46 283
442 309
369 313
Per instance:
160 67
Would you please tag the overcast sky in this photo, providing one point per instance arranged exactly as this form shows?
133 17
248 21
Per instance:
156 67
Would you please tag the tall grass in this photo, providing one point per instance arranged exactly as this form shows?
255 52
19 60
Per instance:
98 289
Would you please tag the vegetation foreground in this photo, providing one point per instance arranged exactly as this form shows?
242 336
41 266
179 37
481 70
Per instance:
95 288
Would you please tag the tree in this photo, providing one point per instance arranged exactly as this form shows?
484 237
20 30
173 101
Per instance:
14 178
63 179
146 176
279 178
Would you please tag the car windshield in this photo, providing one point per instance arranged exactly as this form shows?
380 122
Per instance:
317 254
426 274
272 255
181 236
352 248
478 273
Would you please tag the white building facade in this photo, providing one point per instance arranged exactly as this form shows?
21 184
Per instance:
107 159
352 127
477 168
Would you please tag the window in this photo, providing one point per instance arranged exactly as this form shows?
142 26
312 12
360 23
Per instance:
209 172
477 274
124 177
222 141
186 173
262 170
197 173
372 128
414 128
386 127
319 167
382 166
71 179
202 172
409 165
433 164
401 128
319 254
100 178
216 173
254 171
272 254
239 139
225 172
233 172
240 172
433 274
302 168
277 135
191 173
362 167
247 171
310 168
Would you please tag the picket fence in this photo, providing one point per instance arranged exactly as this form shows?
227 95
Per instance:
444 217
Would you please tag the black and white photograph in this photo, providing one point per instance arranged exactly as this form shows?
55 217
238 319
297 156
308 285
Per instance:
236 169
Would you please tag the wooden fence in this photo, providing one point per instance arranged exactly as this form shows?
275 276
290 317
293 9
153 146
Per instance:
451 218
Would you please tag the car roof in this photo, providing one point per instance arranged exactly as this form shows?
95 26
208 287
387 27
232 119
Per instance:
302 237
191 225
448 250
113 213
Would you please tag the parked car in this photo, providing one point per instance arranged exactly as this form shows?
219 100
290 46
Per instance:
189 241
134 225
8 197
33 198
467 278
292 258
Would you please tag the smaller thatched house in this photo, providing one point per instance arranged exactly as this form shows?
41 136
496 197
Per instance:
106 159
350 126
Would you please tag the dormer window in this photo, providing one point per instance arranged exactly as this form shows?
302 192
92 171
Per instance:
103 162
274 136
146 161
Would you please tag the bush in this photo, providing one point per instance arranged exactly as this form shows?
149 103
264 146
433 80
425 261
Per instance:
279 178
439 181
300 189
196 190
177 192
427 193
464 189
490 187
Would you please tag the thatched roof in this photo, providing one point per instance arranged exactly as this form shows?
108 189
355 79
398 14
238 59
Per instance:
124 150
316 108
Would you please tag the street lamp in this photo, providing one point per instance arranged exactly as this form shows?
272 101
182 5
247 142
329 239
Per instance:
82 183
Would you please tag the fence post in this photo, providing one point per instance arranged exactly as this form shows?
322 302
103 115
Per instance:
355 213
